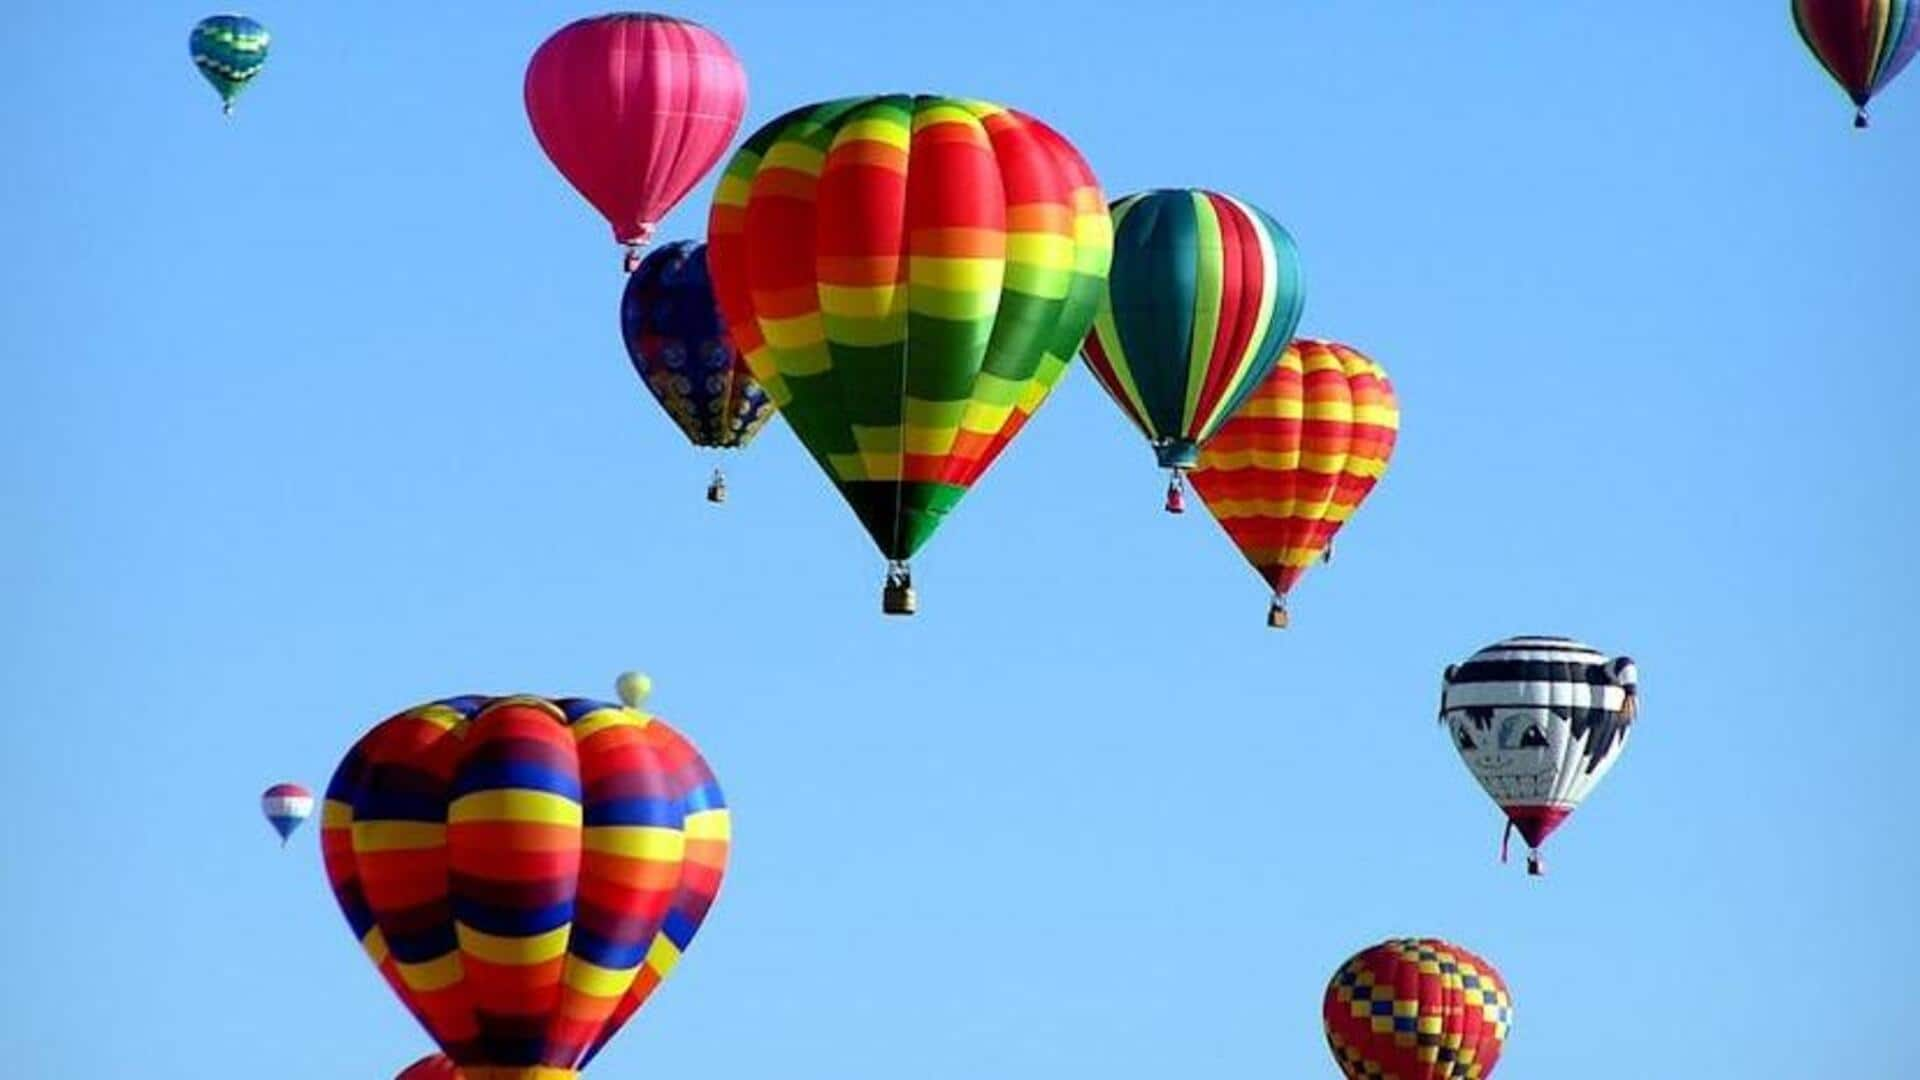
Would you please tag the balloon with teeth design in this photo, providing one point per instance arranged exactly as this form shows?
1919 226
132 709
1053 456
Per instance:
1538 721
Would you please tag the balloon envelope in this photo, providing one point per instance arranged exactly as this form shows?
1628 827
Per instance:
1863 44
633 109
1539 721
524 871
908 277
1416 1009
1289 469
1204 293
229 50
679 347
285 807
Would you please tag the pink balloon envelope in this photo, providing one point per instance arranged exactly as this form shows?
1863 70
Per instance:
633 109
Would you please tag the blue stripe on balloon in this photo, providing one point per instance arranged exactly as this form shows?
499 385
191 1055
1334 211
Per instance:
635 811
512 921
480 775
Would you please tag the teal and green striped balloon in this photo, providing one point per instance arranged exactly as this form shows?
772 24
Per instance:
229 50
1203 297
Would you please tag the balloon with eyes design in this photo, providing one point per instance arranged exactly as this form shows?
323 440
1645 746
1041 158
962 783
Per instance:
1538 721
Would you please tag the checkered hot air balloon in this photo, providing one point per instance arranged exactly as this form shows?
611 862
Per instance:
1204 293
1863 44
524 871
1291 466
680 348
1539 721
431 1067
229 50
908 277
633 109
1416 1009
285 806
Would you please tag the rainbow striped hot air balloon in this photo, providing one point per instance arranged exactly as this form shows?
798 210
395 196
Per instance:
524 871
229 50
285 807
1863 44
1294 463
1204 294
909 277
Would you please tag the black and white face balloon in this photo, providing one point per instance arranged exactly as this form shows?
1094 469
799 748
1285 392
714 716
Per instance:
1538 721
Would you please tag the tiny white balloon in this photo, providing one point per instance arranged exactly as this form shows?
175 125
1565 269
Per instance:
633 688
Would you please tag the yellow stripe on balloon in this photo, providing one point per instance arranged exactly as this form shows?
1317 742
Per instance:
709 825
611 717
519 805
436 974
635 841
585 977
881 126
375 944
371 836
335 814
794 155
866 302
514 951
662 956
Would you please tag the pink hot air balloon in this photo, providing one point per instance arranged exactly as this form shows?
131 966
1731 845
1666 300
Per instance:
634 109
431 1067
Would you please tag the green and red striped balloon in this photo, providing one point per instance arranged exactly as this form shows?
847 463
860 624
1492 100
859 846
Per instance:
1203 296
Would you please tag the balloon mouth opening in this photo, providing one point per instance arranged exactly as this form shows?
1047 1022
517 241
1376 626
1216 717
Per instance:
1176 454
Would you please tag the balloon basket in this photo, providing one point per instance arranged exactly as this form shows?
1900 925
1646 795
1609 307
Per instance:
1860 119
1536 867
717 488
1176 495
898 599
1277 616
633 258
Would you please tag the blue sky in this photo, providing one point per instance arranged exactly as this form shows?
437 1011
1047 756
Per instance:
323 412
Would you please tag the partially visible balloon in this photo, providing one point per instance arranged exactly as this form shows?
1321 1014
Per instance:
1416 1009
285 807
1289 469
431 1067
229 50
1539 721
633 109
519 868
680 348
1863 44
1204 294
909 277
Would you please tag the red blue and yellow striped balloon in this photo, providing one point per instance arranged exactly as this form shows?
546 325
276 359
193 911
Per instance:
1863 44
1292 465
1203 295
524 871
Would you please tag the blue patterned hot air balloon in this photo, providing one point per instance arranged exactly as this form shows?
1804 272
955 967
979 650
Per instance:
229 50
680 348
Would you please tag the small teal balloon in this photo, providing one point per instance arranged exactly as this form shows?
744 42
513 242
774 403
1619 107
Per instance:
229 50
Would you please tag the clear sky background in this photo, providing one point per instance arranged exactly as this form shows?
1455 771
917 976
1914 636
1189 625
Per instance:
323 412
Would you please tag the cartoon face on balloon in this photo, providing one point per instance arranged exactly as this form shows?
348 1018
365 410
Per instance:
1515 753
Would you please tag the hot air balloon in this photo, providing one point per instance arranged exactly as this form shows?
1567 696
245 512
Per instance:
908 277
431 1067
285 807
1539 720
524 871
679 346
633 109
1863 44
229 50
1204 294
1294 462
1416 1009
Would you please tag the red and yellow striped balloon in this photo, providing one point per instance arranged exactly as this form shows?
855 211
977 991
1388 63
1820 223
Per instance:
524 871
1288 470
